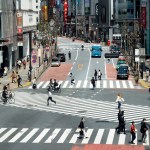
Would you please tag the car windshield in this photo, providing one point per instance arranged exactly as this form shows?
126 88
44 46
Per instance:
121 62
123 70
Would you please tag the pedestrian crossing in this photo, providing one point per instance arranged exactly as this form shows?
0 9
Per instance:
67 135
78 48
89 108
125 84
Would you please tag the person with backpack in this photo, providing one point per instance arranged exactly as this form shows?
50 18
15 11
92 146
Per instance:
19 79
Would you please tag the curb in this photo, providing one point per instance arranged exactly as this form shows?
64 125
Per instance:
26 84
143 83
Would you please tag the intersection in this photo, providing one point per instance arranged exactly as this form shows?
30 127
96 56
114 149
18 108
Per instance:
30 121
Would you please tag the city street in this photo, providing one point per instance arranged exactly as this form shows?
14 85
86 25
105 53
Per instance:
30 124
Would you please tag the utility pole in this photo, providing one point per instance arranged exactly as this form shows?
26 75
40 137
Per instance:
30 51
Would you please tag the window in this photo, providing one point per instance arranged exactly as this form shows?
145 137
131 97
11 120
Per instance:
36 1
36 7
30 18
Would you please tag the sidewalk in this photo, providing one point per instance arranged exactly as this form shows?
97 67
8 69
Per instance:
7 79
144 83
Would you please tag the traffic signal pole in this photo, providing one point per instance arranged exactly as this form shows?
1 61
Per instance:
30 51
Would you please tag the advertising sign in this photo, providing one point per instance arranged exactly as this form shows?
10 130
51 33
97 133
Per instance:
19 27
34 57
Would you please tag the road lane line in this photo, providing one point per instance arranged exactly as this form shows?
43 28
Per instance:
147 139
52 136
105 70
99 136
6 135
122 138
18 135
113 63
110 136
41 135
88 66
64 136
76 55
87 136
28 137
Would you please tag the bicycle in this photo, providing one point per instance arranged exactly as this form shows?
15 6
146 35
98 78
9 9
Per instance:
13 94
10 99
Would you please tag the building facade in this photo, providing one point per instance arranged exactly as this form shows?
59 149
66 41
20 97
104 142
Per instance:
28 12
8 50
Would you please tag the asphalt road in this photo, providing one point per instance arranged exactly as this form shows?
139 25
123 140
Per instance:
29 123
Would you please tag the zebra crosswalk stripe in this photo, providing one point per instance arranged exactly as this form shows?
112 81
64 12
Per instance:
17 136
87 84
27 138
61 135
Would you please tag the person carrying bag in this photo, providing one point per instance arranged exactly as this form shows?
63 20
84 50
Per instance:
34 83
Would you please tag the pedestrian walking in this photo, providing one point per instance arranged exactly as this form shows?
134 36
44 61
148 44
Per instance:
132 131
93 83
50 98
24 64
19 79
81 134
99 74
119 100
72 79
143 130
81 124
136 78
95 75
69 55
34 83
19 64
13 77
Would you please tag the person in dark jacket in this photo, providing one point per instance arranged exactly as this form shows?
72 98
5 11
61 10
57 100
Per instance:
19 79
93 82
95 75
81 125
143 130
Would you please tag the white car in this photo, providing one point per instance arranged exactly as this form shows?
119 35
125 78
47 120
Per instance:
55 62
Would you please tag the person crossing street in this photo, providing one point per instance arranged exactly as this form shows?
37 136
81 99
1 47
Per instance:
95 75
72 79
132 131
93 83
69 55
50 98
99 74
143 130
119 100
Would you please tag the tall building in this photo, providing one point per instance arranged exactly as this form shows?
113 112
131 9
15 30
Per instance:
8 50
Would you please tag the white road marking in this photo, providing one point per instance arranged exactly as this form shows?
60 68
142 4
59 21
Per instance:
18 135
78 84
52 136
99 136
74 137
41 135
27 138
76 55
122 138
87 136
45 85
110 136
105 70
6 135
85 83
88 67
64 136
113 63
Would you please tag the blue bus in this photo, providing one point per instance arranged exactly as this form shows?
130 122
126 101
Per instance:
96 51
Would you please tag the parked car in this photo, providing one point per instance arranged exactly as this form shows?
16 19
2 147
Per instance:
61 57
55 62
123 72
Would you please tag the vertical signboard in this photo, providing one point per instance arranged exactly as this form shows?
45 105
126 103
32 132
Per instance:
19 27
143 14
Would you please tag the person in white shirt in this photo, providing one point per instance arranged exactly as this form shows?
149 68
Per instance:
99 74
50 98
119 100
